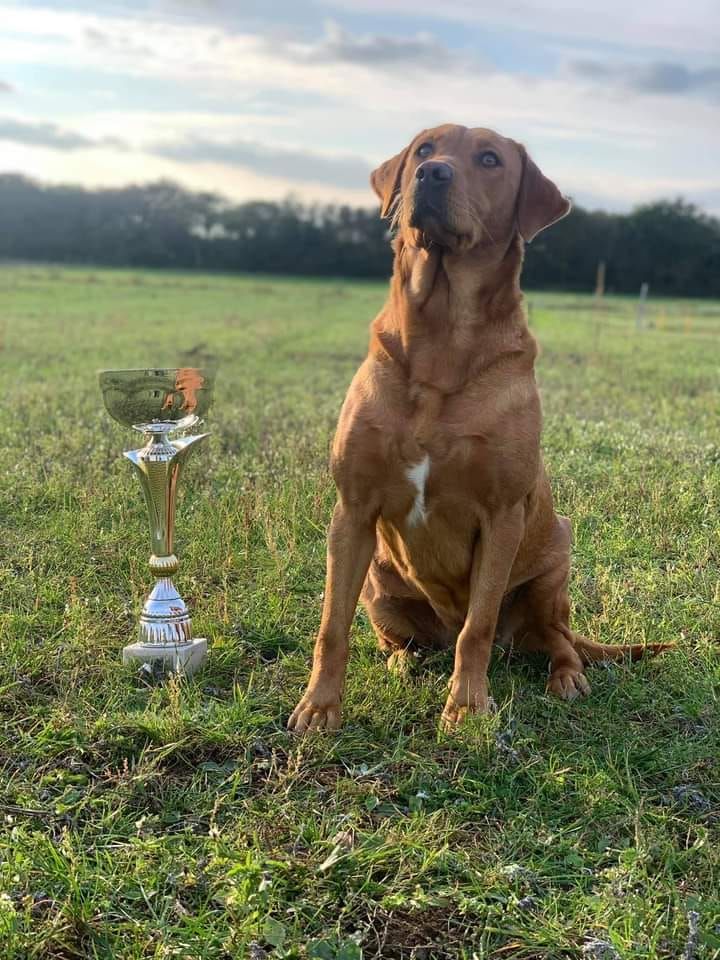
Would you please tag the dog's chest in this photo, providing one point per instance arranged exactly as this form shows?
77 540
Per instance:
417 476
436 466
434 490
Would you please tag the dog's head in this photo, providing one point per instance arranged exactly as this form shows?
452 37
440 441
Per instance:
462 188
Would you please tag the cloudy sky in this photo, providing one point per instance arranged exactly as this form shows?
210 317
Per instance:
618 101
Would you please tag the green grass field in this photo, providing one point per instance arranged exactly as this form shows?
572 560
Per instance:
181 820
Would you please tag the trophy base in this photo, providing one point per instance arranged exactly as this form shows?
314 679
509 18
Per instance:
182 658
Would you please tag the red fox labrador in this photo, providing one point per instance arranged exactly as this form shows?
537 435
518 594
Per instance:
444 521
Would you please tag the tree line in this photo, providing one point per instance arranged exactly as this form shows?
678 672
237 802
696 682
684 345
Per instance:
669 244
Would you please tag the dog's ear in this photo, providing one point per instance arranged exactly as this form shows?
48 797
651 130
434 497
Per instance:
539 203
385 181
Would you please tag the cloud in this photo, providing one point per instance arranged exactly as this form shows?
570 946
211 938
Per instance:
6 87
120 43
645 24
371 50
50 135
659 77
305 166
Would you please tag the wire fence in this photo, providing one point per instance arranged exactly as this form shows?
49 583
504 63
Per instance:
684 318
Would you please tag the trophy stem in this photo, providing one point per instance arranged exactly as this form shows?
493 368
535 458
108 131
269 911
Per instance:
165 634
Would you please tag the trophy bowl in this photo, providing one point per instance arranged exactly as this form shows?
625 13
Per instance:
157 400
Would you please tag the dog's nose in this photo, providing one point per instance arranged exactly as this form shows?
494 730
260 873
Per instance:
434 173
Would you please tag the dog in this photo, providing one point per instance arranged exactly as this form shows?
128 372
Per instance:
444 524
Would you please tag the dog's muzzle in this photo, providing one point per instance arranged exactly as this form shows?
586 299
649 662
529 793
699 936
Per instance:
432 180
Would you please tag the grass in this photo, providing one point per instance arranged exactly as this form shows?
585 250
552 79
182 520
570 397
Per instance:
182 820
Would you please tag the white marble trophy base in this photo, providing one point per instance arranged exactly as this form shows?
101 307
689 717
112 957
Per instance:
172 658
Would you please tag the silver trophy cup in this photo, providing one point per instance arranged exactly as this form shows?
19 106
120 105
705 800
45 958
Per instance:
157 402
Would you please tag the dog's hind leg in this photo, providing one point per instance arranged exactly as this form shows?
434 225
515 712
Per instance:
405 627
545 615
404 624
548 631
542 610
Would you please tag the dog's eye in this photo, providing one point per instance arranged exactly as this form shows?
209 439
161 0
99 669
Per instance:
424 150
488 158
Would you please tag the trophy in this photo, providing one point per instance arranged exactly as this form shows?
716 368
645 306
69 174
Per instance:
157 402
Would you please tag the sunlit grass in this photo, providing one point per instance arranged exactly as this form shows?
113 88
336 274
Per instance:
182 820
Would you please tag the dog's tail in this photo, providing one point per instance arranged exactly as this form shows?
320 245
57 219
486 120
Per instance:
591 652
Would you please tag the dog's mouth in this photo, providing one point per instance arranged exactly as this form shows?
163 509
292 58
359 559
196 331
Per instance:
426 213
431 224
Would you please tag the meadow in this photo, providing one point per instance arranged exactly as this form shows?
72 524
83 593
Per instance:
181 820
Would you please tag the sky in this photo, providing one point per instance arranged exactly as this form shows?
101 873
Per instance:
618 102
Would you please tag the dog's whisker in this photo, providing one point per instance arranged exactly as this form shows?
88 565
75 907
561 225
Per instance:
396 211
484 227
471 210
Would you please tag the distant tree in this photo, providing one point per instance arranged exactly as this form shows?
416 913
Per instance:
670 244
566 256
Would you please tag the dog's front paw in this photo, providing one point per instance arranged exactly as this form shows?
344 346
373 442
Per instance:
315 712
464 699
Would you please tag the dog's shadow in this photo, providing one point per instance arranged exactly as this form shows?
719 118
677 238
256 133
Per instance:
431 665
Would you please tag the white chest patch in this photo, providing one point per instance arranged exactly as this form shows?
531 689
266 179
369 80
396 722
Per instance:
418 475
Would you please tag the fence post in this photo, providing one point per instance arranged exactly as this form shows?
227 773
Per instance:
600 281
640 313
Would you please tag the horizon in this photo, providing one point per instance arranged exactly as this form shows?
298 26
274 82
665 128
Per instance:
259 105
305 203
